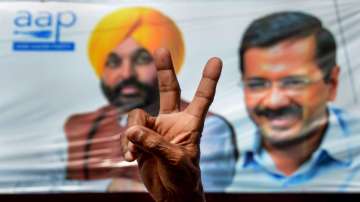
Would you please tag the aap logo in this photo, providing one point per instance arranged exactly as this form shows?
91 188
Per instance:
41 31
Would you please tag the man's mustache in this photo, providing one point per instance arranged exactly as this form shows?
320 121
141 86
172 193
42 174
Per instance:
145 95
132 81
292 110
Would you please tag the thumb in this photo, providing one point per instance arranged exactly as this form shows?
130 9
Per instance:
153 143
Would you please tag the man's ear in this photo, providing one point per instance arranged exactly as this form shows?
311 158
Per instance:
333 82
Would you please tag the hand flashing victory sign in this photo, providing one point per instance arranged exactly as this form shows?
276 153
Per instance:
167 146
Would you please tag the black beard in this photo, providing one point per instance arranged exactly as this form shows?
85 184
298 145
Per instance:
147 94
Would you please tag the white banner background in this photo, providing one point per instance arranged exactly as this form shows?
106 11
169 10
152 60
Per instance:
39 90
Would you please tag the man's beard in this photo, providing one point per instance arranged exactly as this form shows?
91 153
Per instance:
146 95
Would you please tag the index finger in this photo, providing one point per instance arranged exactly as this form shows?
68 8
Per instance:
137 117
168 85
206 90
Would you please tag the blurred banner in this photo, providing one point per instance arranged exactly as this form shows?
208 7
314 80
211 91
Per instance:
72 70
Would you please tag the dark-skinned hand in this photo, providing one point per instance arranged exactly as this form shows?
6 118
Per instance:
167 147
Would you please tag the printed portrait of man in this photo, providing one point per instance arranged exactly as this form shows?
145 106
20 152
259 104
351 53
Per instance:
290 77
121 50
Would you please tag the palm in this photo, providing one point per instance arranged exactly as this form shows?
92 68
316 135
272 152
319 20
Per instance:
178 128
182 130
167 146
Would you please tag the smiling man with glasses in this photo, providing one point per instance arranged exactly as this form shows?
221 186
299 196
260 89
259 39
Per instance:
289 76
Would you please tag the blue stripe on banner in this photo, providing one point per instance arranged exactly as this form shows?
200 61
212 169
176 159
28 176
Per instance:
43 46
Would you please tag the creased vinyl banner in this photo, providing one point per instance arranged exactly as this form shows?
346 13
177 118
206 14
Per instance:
284 118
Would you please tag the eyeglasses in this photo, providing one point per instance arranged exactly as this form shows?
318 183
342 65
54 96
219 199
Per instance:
292 84
139 57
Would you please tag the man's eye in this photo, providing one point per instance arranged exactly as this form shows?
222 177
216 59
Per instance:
256 85
294 83
113 61
142 57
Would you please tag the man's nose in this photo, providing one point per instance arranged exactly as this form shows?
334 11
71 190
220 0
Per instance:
126 70
276 98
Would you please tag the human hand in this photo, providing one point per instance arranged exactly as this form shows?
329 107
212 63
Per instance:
167 147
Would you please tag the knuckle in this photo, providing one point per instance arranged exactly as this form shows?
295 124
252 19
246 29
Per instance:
134 133
204 95
133 129
172 86
153 144
178 158
136 111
